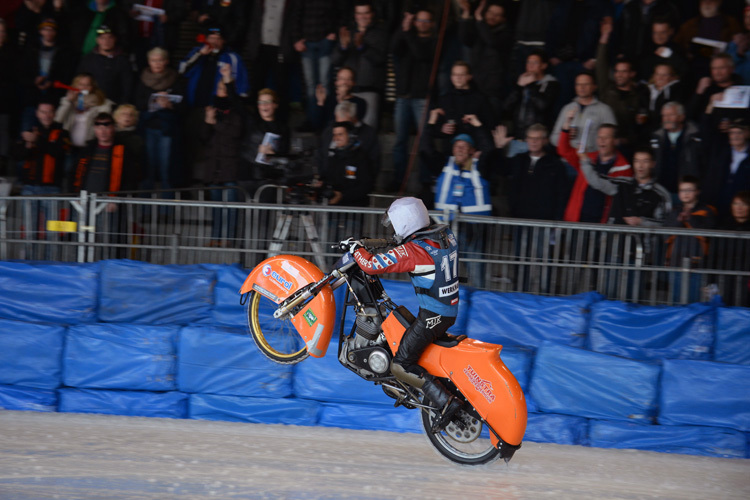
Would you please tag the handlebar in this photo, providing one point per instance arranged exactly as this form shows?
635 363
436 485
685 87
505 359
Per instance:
376 242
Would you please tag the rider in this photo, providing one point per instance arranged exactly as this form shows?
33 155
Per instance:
429 253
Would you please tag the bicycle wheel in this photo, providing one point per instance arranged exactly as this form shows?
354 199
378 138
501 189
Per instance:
277 339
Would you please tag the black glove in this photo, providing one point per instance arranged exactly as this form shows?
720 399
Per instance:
350 245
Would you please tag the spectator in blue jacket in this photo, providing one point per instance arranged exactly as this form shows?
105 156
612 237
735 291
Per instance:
462 189
201 68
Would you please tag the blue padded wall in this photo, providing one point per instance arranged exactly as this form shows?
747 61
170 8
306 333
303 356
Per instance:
216 360
732 335
705 393
558 429
130 403
255 410
373 417
572 381
325 379
14 397
691 440
137 292
652 332
31 354
227 310
516 319
134 357
58 293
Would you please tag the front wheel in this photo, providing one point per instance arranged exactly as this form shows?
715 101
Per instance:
277 339
464 440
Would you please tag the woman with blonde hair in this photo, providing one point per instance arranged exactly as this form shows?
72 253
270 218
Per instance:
79 106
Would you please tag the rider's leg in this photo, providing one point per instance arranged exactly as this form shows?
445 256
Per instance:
405 368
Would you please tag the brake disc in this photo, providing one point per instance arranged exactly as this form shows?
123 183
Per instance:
464 429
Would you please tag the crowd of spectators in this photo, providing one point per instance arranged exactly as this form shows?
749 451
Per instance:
553 98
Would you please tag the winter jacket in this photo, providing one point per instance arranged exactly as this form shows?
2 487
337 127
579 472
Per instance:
223 143
599 114
531 104
650 201
540 191
695 248
165 119
672 162
368 61
719 184
193 65
620 168
348 171
457 103
490 49
463 191
414 56
66 114
113 74
61 70
253 37
124 172
625 105
313 20
44 164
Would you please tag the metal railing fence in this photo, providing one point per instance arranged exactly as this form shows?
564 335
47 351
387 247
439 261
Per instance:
512 255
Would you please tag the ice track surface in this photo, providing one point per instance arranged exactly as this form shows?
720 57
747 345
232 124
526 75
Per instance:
77 456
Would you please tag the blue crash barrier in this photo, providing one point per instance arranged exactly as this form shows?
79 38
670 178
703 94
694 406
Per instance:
572 381
133 357
519 361
705 393
31 354
732 335
652 332
130 403
373 417
255 410
216 360
558 429
14 397
691 440
517 319
64 294
139 349
227 309
137 292
324 379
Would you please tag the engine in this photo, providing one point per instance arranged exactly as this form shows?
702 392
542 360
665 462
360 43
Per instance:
364 352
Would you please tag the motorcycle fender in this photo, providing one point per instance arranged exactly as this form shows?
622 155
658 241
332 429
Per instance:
279 277
476 369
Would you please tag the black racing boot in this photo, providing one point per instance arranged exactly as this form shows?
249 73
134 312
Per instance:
440 397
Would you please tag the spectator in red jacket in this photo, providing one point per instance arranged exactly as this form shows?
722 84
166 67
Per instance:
586 204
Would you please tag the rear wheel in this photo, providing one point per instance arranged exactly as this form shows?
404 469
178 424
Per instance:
464 440
277 338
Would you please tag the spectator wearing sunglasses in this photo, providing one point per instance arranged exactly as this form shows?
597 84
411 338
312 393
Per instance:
106 165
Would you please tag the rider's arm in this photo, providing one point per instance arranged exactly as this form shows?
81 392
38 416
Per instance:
401 259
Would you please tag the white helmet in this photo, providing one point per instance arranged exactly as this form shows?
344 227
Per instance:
407 216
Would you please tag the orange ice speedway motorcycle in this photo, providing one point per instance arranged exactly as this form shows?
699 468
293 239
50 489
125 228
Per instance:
291 315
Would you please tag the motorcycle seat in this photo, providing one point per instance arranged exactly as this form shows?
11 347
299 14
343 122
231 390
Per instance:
449 340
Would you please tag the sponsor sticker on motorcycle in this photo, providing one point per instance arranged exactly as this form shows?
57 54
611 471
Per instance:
265 292
483 387
279 279
310 317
